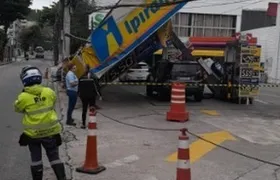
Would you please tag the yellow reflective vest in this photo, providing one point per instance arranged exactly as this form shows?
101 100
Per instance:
37 103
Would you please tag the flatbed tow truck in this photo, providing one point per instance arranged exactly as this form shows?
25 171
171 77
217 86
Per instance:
236 76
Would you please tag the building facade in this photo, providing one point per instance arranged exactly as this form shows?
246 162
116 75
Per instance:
13 33
197 24
215 18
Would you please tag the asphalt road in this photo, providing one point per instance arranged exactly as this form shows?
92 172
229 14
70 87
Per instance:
14 159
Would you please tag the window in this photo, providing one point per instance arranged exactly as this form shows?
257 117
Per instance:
209 21
175 19
225 32
226 21
184 31
197 32
184 70
198 20
215 32
176 30
190 24
209 32
184 19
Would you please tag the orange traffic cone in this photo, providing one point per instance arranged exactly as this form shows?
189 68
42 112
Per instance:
177 110
183 162
91 165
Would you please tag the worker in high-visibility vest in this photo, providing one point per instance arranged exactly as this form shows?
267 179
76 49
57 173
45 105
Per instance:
40 122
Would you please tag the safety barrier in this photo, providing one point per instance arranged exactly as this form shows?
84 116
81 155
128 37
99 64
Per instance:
91 165
178 104
188 84
183 162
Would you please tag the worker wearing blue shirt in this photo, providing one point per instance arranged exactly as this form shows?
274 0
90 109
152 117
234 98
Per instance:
72 92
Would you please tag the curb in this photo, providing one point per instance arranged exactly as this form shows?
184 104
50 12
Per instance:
5 63
59 109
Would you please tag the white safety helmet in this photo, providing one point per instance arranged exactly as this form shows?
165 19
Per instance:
30 75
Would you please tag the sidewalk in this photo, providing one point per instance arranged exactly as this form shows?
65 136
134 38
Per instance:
17 59
126 152
131 153
4 63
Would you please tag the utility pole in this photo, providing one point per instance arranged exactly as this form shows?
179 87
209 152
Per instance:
57 34
61 28
66 28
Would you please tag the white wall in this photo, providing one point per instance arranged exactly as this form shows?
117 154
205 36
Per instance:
105 2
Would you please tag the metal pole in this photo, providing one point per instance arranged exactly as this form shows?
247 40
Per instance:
61 27
278 42
66 29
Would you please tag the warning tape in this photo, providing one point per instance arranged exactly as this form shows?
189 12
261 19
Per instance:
187 84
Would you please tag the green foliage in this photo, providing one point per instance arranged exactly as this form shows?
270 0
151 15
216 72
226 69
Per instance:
79 23
34 15
3 41
3 38
46 19
10 10
30 37
48 14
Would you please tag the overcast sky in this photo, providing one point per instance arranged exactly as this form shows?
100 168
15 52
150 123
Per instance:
38 4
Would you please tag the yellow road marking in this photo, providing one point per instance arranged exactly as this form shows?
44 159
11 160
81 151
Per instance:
199 148
210 112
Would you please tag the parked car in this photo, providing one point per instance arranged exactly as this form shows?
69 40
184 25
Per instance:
188 72
139 72
39 52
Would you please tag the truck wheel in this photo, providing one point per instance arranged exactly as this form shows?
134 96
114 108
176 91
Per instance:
198 97
149 90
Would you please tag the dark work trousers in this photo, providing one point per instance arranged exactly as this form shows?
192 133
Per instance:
51 148
87 102
72 100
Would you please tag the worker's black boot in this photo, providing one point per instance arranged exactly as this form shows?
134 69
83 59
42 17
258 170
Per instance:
59 171
37 172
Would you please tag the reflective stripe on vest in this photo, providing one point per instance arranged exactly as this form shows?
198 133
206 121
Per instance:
41 126
39 111
44 125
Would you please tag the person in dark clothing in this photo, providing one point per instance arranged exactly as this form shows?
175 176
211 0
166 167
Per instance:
88 90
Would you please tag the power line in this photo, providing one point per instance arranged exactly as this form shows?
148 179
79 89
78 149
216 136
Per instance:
98 8
195 135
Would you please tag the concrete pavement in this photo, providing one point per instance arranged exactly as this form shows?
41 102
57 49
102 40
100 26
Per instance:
269 96
132 153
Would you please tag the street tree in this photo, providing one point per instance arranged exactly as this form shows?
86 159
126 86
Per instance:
3 40
79 22
30 37
48 14
10 10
